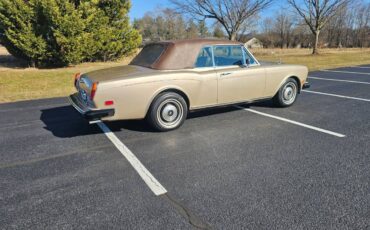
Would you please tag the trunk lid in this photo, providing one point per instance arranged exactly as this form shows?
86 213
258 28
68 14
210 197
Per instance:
116 73
86 81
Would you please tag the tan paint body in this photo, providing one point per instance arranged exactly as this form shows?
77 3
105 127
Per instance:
133 88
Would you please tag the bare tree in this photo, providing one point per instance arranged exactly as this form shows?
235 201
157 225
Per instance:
316 14
362 22
268 37
231 14
192 30
335 29
165 24
283 27
218 32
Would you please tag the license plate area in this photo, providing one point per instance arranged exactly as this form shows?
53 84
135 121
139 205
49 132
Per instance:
83 95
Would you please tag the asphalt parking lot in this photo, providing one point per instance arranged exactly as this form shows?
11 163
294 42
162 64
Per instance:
250 167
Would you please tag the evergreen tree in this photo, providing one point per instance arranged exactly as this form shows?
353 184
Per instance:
63 32
192 30
218 32
164 24
203 29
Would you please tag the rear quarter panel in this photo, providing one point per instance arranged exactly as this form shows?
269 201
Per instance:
132 97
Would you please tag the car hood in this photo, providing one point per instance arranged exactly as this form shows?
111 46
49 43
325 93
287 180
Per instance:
276 64
118 73
269 63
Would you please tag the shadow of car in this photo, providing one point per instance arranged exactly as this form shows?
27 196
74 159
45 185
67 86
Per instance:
66 122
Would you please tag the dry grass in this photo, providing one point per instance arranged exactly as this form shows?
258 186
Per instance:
17 82
21 83
328 58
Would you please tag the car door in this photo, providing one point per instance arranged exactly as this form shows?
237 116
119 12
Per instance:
240 77
205 94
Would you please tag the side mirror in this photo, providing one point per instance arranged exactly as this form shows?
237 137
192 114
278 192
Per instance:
247 63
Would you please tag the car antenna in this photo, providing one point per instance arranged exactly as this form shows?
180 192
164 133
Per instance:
277 56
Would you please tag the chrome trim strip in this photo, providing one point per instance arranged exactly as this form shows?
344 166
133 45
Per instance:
231 103
75 105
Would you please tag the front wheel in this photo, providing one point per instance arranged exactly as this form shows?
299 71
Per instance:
287 94
167 112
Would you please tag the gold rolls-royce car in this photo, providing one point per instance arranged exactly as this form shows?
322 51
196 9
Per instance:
168 79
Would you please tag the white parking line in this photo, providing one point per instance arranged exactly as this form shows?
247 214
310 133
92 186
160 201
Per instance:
148 178
338 71
293 122
336 95
330 79
361 67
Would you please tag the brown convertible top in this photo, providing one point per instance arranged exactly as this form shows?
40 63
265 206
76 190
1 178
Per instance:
181 54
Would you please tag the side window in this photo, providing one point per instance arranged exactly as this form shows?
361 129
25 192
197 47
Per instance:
228 55
204 58
249 60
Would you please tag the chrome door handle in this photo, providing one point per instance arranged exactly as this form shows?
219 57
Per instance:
225 74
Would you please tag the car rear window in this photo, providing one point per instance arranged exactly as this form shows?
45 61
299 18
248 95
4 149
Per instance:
149 55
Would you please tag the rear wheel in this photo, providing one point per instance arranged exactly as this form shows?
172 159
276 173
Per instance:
167 112
287 94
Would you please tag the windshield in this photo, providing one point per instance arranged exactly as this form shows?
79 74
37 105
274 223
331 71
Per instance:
149 55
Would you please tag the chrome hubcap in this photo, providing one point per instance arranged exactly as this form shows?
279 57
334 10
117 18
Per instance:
170 113
289 93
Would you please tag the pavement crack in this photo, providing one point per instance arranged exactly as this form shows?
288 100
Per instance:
36 160
193 220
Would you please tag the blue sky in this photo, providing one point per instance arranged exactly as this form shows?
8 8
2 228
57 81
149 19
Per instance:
140 7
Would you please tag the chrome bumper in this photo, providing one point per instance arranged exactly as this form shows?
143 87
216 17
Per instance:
306 85
88 113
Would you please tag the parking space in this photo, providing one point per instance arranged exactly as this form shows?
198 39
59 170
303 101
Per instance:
351 84
257 172
361 70
339 88
340 76
62 173
345 116
248 166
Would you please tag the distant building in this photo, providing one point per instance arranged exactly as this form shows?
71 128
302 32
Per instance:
254 43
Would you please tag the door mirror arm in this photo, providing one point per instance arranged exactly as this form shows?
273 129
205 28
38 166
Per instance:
245 66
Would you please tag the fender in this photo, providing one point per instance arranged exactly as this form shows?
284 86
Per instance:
168 88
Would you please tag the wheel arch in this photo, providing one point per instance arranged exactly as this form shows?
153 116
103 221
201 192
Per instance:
170 89
285 79
298 82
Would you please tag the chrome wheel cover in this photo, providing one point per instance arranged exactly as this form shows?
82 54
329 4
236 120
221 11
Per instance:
289 93
170 113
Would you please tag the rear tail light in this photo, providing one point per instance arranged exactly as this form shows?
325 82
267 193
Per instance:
93 90
77 77
108 102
